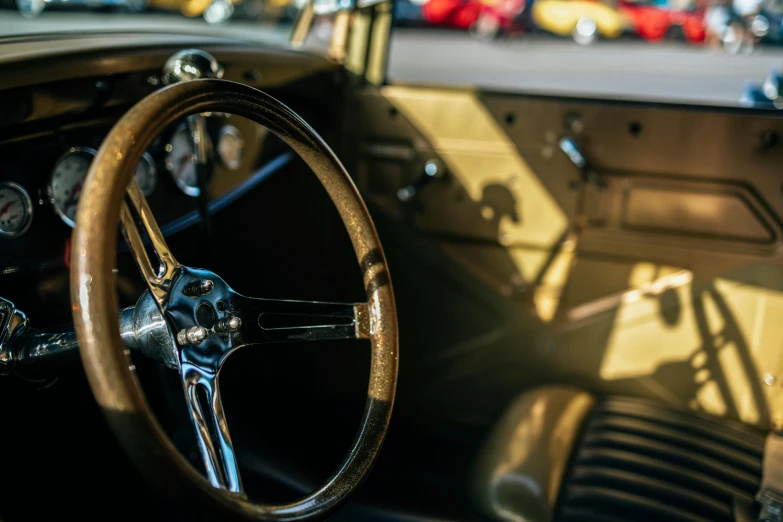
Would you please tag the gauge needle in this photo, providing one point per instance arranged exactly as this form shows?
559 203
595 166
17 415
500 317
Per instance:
72 198
6 208
183 164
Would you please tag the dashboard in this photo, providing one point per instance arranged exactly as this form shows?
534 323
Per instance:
43 176
42 180
52 128
268 217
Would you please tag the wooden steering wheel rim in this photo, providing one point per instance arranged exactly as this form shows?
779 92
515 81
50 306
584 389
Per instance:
96 317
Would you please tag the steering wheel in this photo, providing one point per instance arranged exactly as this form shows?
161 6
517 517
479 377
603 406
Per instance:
204 320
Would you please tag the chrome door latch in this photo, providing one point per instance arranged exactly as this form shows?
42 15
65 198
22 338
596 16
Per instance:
769 495
589 174
12 323
434 169
771 506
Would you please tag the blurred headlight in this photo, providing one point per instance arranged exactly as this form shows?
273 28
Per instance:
759 26
772 85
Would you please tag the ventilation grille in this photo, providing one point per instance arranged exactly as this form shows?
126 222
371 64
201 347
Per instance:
640 461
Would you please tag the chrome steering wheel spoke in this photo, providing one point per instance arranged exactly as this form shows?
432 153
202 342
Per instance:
205 406
281 321
208 321
158 279
211 321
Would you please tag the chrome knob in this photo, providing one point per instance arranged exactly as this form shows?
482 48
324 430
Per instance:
198 288
228 324
191 64
192 335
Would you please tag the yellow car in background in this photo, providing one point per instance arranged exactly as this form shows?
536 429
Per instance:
281 9
213 11
584 20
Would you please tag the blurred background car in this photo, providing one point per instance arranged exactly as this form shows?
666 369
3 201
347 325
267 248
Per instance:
457 14
584 20
501 17
213 11
765 95
282 11
33 8
722 27
655 21
408 13
485 19
771 12
740 25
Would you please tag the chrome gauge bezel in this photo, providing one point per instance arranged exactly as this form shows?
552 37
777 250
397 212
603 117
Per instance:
50 191
28 203
186 189
150 161
230 130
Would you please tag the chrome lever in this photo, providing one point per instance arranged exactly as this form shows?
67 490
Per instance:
193 64
589 174
13 322
186 65
142 329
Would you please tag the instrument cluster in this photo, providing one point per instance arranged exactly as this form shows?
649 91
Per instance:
44 178
69 173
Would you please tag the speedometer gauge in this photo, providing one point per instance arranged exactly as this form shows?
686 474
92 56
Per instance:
146 174
181 160
16 210
230 147
65 186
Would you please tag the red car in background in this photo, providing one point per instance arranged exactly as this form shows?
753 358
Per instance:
655 22
485 18
459 14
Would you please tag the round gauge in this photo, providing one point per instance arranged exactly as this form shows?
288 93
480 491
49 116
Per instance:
181 160
146 174
231 147
65 186
16 210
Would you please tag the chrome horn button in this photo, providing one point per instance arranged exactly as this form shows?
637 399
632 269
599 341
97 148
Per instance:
200 343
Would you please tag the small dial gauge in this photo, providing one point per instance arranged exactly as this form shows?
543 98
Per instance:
181 160
65 186
231 147
16 210
147 174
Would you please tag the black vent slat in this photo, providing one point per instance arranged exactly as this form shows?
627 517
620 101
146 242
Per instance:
641 461
586 515
647 487
676 474
729 433
672 453
666 434
622 502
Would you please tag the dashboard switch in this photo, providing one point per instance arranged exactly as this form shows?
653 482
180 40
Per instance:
434 169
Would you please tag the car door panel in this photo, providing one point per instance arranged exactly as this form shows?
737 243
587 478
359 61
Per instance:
666 283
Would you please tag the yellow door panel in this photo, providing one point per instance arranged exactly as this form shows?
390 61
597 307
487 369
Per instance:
668 283
485 162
